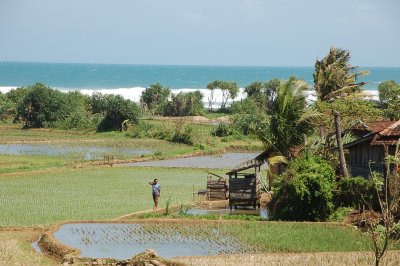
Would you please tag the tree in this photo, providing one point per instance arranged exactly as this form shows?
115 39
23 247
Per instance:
254 89
271 88
248 116
338 133
304 191
117 110
6 107
389 97
184 104
288 124
42 105
155 98
212 86
229 90
334 77
386 228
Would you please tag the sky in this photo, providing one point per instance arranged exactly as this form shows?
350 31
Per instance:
199 32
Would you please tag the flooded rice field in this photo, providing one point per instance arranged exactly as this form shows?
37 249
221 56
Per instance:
86 153
122 241
262 212
224 161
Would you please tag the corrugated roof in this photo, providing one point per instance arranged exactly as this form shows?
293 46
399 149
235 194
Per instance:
380 133
392 130
372 126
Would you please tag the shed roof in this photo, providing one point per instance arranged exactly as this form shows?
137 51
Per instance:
256 162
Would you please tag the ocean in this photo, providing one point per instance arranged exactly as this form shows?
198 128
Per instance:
130 80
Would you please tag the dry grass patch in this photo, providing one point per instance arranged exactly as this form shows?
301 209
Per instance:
295 259
16 249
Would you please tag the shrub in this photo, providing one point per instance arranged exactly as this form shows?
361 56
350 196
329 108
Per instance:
154 98
184 104
304 192
6 107
354 192
222 130
116 111
42 105
183 133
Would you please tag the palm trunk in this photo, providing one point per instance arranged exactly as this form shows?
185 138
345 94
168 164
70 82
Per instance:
342 160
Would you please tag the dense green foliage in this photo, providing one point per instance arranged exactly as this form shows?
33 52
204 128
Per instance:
117 110
389 96
355 192
222 130
334 77
287 125
249 117
154 98
304 192
6 106
185 104
351 111
42 105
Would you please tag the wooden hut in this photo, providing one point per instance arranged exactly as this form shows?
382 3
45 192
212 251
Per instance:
244 186
216 189
375 141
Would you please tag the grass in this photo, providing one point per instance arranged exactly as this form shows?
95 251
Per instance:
23 163
300 237
90 194
295 259
115 141
286 236
15 249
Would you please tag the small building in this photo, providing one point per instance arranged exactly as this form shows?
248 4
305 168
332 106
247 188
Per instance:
375 141
217 188
244 182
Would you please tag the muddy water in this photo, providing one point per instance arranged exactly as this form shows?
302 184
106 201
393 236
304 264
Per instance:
87 153
122 241
35 246
224 161
262 212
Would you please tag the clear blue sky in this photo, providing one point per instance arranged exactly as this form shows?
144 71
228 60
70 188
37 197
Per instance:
199 32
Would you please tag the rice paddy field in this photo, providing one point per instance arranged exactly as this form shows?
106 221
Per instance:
90 194
40 191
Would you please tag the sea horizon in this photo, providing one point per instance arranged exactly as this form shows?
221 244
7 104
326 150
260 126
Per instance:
129 80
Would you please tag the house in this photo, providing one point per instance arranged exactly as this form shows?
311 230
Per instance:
375 141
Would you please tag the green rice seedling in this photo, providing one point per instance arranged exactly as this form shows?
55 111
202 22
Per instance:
79 194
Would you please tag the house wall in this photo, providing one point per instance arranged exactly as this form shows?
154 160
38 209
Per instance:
365 157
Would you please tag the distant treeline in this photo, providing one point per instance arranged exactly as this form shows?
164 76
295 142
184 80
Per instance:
41 106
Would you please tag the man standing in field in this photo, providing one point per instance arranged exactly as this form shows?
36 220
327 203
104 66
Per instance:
156 191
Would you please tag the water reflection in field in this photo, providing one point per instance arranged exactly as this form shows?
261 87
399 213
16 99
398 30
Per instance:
224 161
122 241
262 212
84 152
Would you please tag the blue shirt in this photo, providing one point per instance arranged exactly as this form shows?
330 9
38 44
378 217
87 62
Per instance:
156 189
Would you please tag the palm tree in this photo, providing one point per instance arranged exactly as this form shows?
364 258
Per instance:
334 77
288 124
